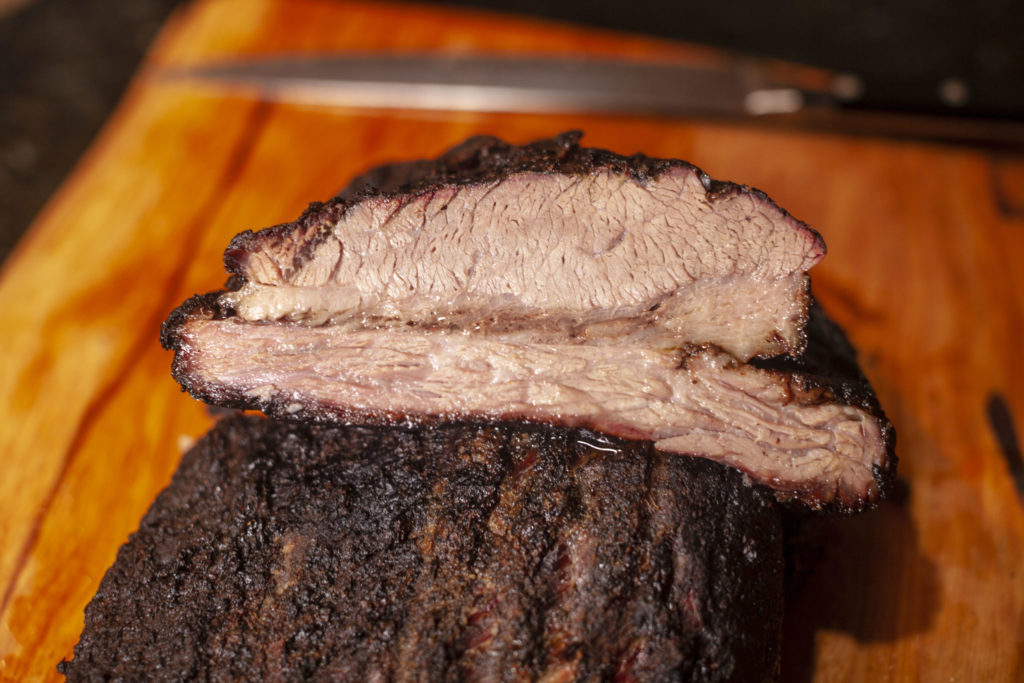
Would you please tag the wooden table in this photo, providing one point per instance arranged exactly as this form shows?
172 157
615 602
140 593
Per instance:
924 272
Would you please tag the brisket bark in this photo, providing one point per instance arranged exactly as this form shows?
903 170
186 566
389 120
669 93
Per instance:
495 552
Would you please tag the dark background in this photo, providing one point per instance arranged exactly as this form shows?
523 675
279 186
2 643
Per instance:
65 63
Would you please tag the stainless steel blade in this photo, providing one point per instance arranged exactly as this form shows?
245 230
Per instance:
735 89
510 84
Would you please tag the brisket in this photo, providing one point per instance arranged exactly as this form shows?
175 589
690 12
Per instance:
568 243
476 287
819 440
465 552
480 371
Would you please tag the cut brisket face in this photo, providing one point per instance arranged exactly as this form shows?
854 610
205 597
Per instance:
570 244
547 283
462 552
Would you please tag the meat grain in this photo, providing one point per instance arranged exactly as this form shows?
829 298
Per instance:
549 283
566 242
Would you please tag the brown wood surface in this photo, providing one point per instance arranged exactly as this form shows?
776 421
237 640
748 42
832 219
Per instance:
923 271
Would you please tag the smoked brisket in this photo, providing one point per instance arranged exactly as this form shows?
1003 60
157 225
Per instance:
283 551
473 287
531 409
552 240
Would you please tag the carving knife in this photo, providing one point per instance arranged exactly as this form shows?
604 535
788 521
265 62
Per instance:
735 90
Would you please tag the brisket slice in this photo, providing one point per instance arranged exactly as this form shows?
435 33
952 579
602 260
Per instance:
583 353
812 431
487 552
549 240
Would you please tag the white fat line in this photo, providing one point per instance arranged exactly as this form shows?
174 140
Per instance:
597 448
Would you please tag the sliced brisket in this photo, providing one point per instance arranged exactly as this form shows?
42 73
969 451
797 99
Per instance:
548 283
819 440
568 242
501 552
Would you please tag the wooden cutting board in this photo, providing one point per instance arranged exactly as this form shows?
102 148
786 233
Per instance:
924 272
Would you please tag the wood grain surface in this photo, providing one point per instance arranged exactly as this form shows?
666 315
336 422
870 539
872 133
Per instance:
923 271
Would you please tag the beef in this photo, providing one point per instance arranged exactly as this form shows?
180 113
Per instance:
470 552
571 339
821 441
573 244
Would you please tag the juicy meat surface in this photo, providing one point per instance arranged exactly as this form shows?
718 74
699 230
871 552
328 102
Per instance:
573 241
549 283
499 552
822 441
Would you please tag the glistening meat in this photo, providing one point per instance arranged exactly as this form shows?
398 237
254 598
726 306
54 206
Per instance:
564 242
551 283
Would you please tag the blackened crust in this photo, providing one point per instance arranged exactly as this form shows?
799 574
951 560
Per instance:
285 552
482 160
828 369
204 306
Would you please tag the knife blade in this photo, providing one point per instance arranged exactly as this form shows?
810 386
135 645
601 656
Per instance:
740 89
495 83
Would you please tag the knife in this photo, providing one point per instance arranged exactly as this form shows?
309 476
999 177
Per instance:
732 89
